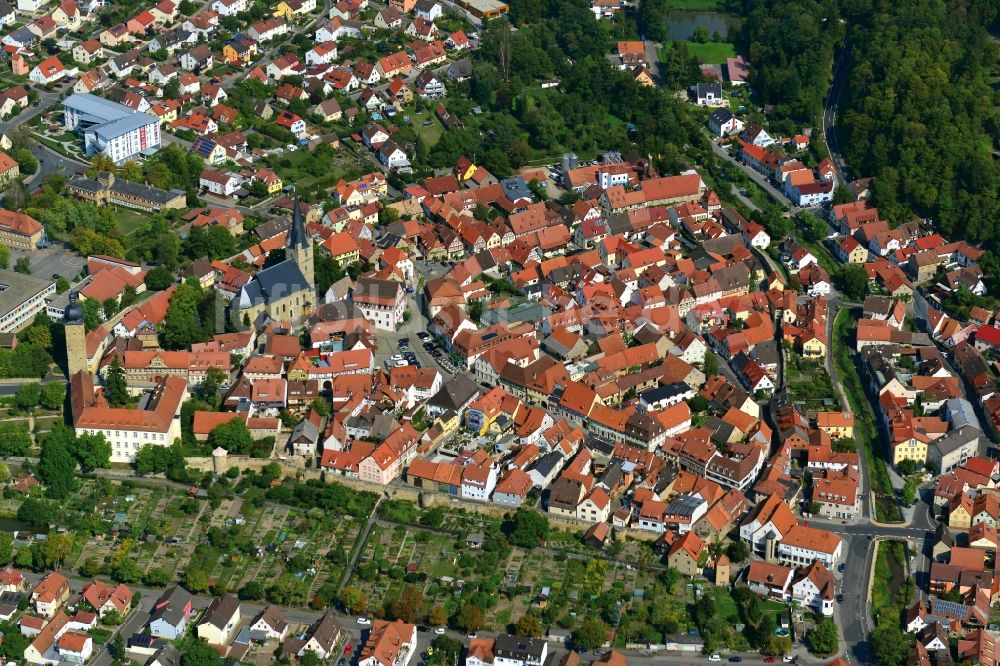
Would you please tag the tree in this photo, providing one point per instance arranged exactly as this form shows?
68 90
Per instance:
853 281
187 7
671 578
710 366
91 314
252 591
14 438
652 19
23 265
182 326
27 397
156 577
198 653
56 549
6 547
159 278
53 395
438 617
469 618
354 600
36 512
737 551
214 379
4 257
527 528
842 195
92 452
321 406
590 635
26 161
824 638
57 467
529 625
234 436
89 568
408 606
909 493
116 387
701 34
777 646
172 88
62 285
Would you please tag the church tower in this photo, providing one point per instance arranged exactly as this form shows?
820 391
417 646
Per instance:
299 247
76 336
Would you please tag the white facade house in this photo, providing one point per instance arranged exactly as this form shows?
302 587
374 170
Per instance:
110 128
392 155
128 430
31 5
389 644
804 545
229 7
815 588
724 123
382 302
221 183
478 482
770 521
519 651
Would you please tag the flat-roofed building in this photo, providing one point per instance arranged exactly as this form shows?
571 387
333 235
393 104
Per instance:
21 298
110 128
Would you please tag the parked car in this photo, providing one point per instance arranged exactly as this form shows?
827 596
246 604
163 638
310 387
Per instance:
364 622
439 631
714 658
735 659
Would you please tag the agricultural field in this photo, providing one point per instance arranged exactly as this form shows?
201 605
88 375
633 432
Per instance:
224 543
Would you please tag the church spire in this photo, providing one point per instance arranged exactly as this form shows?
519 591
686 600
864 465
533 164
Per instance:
297 237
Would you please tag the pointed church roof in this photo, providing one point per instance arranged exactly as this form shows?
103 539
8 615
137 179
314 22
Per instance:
297 236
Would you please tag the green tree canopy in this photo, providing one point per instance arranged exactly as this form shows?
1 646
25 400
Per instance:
57 467
527 528
116 387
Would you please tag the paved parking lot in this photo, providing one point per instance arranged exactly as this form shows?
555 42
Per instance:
52 260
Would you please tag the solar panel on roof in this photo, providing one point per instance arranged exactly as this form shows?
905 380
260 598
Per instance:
951 608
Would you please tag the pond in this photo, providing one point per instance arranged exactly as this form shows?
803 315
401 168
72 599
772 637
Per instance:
14 525
681 24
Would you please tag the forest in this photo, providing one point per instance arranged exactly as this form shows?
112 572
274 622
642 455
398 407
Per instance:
919 113
790 45
918 108
595 108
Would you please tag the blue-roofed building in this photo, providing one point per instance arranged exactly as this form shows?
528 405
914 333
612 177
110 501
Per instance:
109 128
516 188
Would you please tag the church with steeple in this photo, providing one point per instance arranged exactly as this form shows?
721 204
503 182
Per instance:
285 291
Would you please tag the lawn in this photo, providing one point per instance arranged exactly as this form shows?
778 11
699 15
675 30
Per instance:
431 133
128 221
713 53
864 432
